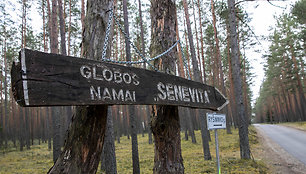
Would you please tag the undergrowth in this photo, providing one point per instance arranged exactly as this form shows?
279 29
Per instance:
39 159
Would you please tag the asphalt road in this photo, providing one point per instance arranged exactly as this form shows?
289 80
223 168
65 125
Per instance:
292 140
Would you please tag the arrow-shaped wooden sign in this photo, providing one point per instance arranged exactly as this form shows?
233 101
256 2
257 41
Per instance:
42 79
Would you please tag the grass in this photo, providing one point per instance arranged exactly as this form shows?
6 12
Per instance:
38 159
298 125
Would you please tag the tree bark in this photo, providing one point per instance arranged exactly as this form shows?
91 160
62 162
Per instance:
62 27
197 77
243 125
133 128
69 28
196 71
202 42
143 49
109 145
84 141
56 114
165 122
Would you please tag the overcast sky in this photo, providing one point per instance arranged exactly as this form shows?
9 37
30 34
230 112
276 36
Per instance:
262 14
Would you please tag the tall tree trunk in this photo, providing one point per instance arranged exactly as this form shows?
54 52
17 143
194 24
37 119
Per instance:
180 61
24 22
243 125
6 109
44 26
89 122
48 127
196 71
220 74
197 77
299 83
82 19
217 56
1 111
197 38
165 122
27 127
69 29
109 145
62 27
56 114
133 127
21 129
231 95
202 42
143 49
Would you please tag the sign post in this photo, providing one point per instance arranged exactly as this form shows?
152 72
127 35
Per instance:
42 79
216 121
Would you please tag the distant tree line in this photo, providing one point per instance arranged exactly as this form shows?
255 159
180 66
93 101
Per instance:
282 93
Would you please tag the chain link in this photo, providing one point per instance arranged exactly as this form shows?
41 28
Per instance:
144 60
110 19
184 60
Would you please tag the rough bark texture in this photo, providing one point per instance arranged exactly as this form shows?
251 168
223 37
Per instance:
109 146
143 48
196 72
242 123
133 128
62 27
56 114
197 77
84 142
165 121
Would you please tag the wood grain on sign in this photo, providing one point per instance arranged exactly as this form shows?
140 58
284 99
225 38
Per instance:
42 79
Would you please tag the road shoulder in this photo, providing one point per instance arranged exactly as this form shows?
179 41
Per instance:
277 159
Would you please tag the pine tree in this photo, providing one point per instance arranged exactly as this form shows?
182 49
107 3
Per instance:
165 121
89 122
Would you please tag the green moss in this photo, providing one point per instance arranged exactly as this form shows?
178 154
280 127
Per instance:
39 159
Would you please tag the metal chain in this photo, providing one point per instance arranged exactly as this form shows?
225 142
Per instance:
135 48
109 24
144 60
184 60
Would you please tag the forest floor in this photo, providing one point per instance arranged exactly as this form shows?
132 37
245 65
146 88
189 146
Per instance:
39 159
275 157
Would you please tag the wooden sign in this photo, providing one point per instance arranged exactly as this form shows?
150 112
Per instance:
42 79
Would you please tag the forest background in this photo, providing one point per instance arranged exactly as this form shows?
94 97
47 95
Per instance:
272 62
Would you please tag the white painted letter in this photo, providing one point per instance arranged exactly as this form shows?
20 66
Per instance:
106 94
128 96
170 92
185 94
94 93
118 96
192 94
86 74
127 78
206 97
95 75
162 95
135 77
178 93
110 78
117 77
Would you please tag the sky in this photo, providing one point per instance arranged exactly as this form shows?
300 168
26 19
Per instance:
262 13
